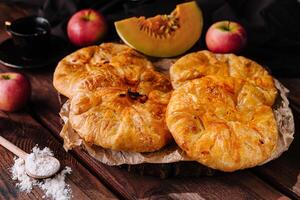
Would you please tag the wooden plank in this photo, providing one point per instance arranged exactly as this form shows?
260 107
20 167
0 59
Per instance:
241 185
22 130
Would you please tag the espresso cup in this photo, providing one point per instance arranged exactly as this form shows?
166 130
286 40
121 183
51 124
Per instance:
30 35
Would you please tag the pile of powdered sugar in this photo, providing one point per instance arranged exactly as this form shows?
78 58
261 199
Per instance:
55 188
41 163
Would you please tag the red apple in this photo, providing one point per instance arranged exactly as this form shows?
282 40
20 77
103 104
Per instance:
86 27
226 37
15 91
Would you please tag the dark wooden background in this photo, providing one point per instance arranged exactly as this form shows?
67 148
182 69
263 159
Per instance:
39 123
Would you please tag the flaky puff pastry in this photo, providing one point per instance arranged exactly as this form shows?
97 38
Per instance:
203 63
106 65
217 122
118 100
121 119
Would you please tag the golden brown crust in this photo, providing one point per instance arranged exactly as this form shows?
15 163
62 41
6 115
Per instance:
203 63
97 80
105 65
120 120
216 122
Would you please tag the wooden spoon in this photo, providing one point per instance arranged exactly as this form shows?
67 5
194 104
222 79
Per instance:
22 154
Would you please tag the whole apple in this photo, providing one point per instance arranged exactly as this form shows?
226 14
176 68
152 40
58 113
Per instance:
15 91
226 37
86 27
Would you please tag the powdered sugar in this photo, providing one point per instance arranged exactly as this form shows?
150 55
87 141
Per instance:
18 173
55 188
41 163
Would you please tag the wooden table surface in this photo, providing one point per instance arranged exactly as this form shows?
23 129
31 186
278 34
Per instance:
39 123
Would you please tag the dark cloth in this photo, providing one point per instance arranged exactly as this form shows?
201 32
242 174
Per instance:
272 25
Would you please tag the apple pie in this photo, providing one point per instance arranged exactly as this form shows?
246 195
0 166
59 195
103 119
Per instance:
221 113
118 100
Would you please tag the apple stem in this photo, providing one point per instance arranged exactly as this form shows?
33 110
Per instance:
89 14
228 25
5 77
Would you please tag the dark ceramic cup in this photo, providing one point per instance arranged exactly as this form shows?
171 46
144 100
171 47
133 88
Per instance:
30 35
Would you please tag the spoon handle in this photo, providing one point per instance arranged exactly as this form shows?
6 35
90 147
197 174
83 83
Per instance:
13 148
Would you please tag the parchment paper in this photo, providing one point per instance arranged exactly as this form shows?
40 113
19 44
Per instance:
173 153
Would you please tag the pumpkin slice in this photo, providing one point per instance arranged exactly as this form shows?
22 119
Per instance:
163 35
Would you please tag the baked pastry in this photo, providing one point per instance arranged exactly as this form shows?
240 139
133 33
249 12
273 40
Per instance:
121 119
220 113
106 65
202 63
215 121
118 100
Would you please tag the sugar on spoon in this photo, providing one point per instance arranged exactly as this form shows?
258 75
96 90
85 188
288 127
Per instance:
37 168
